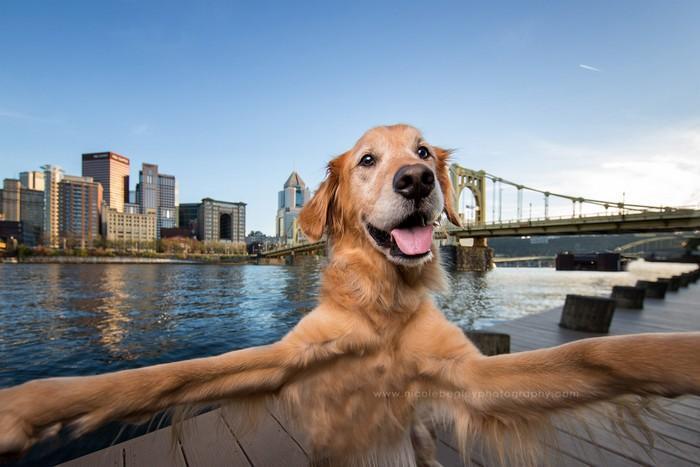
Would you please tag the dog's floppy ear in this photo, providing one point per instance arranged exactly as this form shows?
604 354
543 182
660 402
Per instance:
318 212
448 192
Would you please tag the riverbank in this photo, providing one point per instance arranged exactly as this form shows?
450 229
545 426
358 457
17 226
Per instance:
191 259
204 259
100 260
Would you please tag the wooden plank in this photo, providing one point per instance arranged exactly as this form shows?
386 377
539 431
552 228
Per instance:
479 455
155 449
584 448
290 427
667 438
475 451
567 449
627 448
207 441
446 454
562 458
693 402
269 444
549 332
678 417
677 407
112 456
651 319
449 456
675 314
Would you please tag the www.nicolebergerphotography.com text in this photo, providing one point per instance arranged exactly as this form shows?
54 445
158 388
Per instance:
477 395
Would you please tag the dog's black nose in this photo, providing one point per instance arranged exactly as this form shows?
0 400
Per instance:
414 181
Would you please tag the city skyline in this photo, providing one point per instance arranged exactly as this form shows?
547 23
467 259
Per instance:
155 192
56 209
595 100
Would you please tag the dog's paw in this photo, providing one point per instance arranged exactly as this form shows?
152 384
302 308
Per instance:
16 435
20 427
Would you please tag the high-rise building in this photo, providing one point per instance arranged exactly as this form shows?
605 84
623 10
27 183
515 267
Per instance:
11 233
25 205
33 180
80 203
52 177
32 215
221 221
132 208
129 228
187 216
213 220
167 202
289 203
11 199
112 171
158 192
147 188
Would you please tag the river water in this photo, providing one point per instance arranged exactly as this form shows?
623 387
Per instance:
58 320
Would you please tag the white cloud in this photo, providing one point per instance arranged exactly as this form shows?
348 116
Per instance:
589 68
660 167
10 114
140 129
6 113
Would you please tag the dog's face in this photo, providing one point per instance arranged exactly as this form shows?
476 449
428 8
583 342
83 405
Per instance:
391 188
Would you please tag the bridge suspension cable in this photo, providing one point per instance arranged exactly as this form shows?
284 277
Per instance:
476 182
574 199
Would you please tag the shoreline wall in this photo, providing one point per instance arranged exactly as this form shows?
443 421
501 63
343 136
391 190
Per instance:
101 260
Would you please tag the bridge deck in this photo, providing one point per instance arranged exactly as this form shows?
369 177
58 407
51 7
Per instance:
211 439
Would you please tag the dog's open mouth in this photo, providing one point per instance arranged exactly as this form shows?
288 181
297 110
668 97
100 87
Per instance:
412 238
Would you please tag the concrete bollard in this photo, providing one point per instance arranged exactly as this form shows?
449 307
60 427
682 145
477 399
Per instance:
684 279
490 343
590 314
628 297
673 283
653 289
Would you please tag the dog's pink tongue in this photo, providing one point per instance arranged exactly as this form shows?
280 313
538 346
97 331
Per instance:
414 241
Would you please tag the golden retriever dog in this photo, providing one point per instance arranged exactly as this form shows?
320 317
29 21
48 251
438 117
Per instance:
375 362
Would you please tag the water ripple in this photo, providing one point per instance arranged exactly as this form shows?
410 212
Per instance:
58 320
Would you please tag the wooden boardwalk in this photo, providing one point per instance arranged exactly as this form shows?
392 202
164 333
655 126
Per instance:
211 440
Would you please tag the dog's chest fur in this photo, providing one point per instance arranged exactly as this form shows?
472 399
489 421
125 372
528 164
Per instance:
359 404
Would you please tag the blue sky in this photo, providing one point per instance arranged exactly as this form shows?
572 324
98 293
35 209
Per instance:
230 97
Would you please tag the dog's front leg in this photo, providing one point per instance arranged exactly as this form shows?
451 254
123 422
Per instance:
513 396
585 371
37 409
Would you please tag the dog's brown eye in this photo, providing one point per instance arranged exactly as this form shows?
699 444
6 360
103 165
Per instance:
367 160
423 152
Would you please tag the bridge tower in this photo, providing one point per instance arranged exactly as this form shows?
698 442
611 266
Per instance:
474 181
478 257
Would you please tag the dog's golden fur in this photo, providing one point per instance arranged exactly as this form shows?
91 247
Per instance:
367 371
